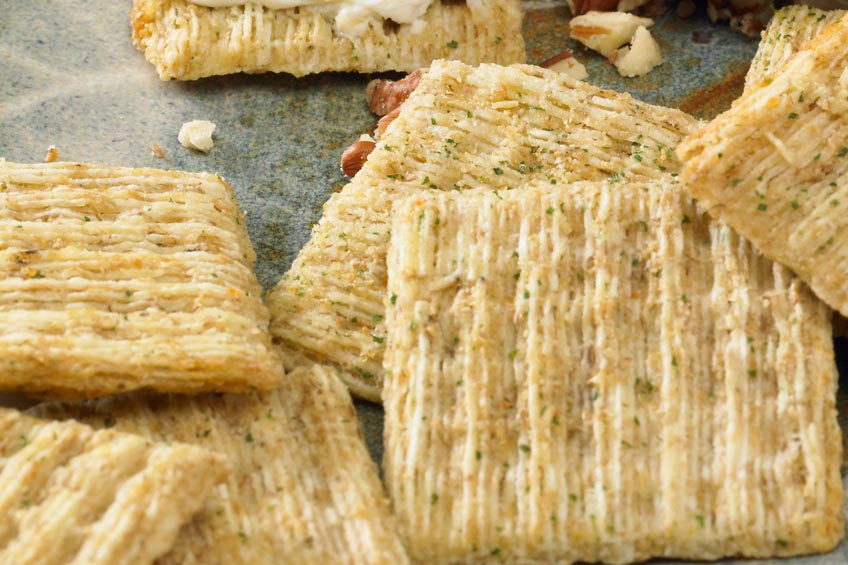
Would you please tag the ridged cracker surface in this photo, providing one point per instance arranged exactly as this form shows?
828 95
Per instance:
303 488
602 373
187 41
775 166
70 494
115 279
788 30
463 127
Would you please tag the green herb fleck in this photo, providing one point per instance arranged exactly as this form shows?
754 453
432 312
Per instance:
452 44
761 207
498 171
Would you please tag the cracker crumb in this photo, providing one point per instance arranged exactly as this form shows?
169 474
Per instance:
157 151
197 135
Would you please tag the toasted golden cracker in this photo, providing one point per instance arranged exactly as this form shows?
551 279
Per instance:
602 373
789 29
303 487
70 494
775 166
116 279
463 127
188 41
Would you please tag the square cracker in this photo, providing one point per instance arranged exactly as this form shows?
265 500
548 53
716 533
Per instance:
788 30
188 41
70 494
602 373
462 127
775 166
115 279
303 488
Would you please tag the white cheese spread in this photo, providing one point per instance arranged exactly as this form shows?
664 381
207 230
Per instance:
351 16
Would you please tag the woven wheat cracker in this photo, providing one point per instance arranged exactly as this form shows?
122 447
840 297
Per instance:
188 41
303 488
774 166
789 29
602 373
463 127
115 279
70 494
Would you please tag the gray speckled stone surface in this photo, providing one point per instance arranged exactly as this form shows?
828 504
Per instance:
70 77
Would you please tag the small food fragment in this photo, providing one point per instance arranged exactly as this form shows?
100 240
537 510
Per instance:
642 55
630 5
197 135
748 16
579 7
51 155
566 63
686 9
356 154
72 494
157 151
385 95
605 32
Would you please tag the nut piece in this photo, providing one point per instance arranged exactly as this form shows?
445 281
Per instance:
197 135
52 154
640 57
385 95
385 121
630 5
355 156
579 7
606 31
566 64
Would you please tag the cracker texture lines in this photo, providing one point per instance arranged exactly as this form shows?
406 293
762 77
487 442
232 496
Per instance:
463 127
188 41
602 373
117 279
